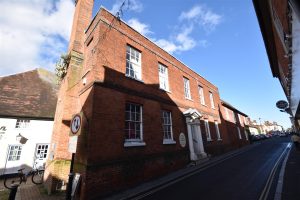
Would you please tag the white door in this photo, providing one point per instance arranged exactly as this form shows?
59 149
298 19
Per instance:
196 141
41 153
13 160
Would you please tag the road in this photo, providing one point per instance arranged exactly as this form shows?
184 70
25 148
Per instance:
243 177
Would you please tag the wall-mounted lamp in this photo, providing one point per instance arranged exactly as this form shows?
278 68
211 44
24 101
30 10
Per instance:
21 139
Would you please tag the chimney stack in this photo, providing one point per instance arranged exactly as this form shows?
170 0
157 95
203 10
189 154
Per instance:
81 20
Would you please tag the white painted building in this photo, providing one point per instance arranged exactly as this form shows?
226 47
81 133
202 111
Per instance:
253 130
27 107
15 155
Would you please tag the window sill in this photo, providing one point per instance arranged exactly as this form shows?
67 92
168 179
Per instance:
168 91
135 79
134 144
190 99
169 142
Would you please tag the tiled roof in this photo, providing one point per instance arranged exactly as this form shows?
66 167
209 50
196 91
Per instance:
226 104
30 94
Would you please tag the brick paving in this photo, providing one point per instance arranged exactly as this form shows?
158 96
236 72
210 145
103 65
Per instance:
30 191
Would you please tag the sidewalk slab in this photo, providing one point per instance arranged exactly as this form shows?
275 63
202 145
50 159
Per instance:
291 180
29 191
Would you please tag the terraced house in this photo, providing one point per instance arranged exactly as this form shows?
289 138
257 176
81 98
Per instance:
145 113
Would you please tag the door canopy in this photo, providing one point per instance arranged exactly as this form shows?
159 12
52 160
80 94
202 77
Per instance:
192 114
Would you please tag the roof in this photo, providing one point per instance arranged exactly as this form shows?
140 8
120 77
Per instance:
263 14
224 103
31 94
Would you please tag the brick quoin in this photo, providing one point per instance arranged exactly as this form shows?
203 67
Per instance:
96 85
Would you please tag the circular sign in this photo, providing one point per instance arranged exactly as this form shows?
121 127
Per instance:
182 139
75 124
282 104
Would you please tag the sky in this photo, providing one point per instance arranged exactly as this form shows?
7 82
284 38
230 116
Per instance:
219 39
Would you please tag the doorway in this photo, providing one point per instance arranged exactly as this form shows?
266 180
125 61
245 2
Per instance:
13 160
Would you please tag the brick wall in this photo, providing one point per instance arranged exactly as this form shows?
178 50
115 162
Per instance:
97 86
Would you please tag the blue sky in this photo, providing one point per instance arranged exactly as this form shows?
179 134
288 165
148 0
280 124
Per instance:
219 39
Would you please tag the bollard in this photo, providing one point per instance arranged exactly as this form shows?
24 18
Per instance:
69 187
13 192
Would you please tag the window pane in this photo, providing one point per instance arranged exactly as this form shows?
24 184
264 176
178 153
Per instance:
167 125
133 121
133 63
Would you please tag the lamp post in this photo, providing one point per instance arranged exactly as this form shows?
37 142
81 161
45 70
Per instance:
260 126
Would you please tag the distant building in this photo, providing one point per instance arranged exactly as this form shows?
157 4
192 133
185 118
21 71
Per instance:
27 107
264 127
237 125
279 22
271 127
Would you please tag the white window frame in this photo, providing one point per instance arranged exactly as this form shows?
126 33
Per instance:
217 130
234 117
187 89
246 134
14 152
245 121
278 26
239 132
133 63
201 95
163 77
131 117
239 118
227 113
22 123
212 103
207 130
167 123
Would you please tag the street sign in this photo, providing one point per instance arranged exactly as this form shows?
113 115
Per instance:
76 124
72 144
282 104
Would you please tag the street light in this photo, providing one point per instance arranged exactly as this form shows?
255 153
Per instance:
21 139
260 126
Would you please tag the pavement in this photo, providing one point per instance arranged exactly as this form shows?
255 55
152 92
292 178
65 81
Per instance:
291 179
29 191
290 186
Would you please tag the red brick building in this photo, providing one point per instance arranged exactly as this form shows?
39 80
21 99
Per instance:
237 125
279 22
145 112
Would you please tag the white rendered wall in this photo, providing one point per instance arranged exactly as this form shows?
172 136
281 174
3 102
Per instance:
295 91
253 131
39 131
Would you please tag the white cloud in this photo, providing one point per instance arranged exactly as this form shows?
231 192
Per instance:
181 42
131 5
189 20
185 40
202 16
191 14
167 45
139 26
33 33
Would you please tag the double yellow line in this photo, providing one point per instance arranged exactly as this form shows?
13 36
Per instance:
265 193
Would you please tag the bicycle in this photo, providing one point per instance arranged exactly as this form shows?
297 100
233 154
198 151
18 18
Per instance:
37 177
